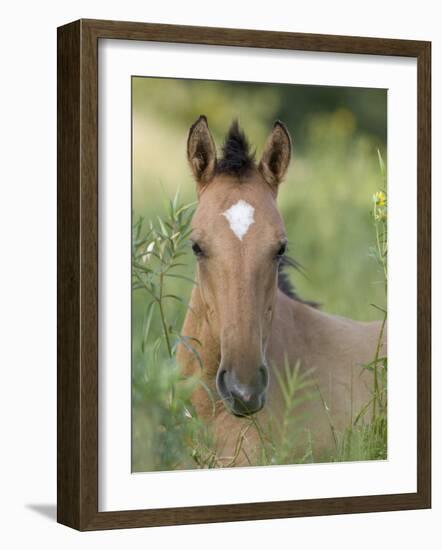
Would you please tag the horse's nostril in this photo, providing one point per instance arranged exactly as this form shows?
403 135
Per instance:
221 383
264 374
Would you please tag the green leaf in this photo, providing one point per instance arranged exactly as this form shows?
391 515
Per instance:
163 227
147 323
142 267
185 207
183 277
176 200
184 341
381 164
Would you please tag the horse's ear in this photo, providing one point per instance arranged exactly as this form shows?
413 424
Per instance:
276 156
201 152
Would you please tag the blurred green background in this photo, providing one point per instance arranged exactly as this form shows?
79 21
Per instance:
326 197
326 203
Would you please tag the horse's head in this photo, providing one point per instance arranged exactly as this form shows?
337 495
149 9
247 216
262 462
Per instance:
239 239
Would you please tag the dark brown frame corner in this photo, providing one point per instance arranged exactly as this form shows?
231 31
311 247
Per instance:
77 225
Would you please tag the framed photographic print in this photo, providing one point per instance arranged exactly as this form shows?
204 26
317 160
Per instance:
243 274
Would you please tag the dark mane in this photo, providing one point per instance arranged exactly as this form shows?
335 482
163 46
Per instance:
284 283
237 158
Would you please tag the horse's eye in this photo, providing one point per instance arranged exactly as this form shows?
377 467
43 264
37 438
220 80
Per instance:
197 249
281 250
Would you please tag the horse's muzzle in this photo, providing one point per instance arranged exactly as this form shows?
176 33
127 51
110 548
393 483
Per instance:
242 399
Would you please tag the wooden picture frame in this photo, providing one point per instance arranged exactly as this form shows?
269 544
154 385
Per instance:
77 458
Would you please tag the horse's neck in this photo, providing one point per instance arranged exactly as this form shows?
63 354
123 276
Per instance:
294 330
318 339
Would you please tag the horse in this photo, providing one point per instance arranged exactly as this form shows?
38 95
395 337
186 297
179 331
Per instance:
248 320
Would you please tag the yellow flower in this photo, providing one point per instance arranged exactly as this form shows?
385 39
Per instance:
379 198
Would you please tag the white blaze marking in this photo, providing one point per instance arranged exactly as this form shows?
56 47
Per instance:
240 218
